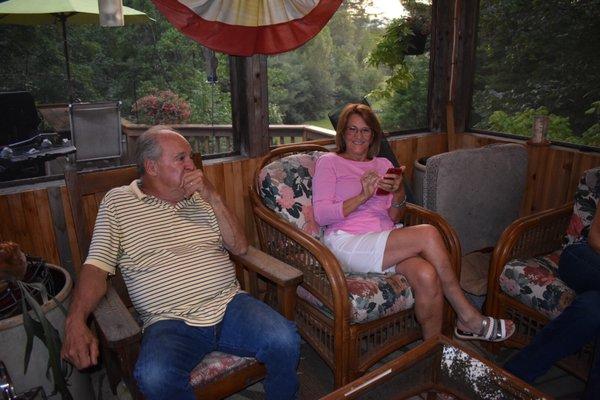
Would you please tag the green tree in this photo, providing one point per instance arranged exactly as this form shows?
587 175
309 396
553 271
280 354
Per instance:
537 54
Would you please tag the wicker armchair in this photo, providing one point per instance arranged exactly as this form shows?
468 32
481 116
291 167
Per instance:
218 375
523 283
330 311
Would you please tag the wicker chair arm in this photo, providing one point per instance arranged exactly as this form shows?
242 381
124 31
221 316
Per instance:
322 274
116 324
271 268
530 236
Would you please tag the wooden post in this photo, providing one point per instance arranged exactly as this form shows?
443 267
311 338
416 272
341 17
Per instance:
250 104
452 63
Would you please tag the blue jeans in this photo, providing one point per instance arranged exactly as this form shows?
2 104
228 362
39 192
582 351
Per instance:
577 325
171 349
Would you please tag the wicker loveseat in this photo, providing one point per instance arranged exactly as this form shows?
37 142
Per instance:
524 284
351 321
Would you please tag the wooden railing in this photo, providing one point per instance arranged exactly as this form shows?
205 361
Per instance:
218 139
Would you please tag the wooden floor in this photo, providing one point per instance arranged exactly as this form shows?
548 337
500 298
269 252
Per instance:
316 379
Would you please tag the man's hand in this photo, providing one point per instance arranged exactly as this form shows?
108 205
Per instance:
195 181
80 346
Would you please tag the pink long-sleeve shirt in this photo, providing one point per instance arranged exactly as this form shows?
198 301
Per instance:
337 179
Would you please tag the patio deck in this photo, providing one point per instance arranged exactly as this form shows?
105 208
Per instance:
316 379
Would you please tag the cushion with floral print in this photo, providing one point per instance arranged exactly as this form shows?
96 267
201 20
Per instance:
372 296
285 186
217 365
535 283
584 207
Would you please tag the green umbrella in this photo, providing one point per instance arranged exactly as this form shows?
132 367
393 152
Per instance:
75 12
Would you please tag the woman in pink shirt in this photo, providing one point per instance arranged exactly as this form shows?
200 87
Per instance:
359 202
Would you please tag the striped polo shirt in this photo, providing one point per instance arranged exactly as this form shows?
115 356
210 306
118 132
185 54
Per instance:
171 256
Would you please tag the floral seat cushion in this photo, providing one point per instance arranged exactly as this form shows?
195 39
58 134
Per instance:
584 207
535 283
372 296
216 366
285 186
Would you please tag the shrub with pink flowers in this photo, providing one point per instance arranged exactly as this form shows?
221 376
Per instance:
162 107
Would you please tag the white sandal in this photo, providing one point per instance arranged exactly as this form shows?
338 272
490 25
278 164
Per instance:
492 330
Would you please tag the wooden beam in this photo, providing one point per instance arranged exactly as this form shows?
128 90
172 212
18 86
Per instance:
439 63
446 70
250 104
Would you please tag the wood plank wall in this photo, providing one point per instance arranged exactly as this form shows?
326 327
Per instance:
553 172
40 219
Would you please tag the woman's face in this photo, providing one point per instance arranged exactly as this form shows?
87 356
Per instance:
357 136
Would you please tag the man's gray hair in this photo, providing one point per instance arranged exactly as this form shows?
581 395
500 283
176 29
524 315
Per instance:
148 146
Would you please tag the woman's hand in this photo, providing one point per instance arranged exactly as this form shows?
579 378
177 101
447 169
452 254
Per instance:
391 182
369 183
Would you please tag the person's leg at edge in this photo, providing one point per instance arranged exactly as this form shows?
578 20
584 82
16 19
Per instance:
578 324
429 299
251 328
170 350
592 387
579 267
425 241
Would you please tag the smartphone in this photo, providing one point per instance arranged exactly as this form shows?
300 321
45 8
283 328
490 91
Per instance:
393 170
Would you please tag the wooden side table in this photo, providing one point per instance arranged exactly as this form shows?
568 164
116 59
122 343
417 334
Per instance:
439 368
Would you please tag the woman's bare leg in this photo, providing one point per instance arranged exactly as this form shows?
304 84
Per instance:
425 241
427 289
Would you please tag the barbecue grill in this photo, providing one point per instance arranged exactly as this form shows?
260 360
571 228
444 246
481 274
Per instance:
23 146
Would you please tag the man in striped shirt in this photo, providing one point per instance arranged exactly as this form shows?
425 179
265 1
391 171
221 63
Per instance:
170 233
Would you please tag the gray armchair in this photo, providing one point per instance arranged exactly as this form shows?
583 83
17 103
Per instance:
479 192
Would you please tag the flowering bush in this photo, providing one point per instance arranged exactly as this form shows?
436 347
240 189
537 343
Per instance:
162 107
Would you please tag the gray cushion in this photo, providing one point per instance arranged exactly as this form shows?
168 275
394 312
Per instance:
479 191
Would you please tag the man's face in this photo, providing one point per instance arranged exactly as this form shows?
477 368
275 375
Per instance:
175 161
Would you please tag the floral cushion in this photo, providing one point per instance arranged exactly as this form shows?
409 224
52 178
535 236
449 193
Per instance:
217 365
534 282
584 208
372 296
285 186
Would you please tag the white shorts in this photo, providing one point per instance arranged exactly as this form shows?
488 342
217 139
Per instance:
360 253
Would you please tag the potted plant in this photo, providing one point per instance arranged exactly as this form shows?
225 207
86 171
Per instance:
161 107
32 294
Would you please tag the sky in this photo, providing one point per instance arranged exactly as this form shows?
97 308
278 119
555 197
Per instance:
387 8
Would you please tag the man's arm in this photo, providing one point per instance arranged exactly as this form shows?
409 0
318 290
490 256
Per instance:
234 238
80 346
594 236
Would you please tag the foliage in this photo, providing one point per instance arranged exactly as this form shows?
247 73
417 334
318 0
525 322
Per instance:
407 108
592 135
13 271
521 123
329 70
133 61
390 51
37 325
399 41
538 54
162 107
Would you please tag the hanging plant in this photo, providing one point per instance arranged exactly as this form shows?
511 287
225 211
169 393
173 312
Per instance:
403 37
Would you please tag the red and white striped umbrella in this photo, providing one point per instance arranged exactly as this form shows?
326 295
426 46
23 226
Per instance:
247 27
